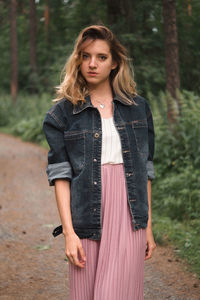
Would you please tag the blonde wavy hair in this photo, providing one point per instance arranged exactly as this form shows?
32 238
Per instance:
74 86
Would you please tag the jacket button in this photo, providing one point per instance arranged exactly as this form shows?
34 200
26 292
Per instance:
96 135
95 159
95 182
129 174
125 151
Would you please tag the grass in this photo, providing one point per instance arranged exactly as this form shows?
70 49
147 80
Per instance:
24 119
184 236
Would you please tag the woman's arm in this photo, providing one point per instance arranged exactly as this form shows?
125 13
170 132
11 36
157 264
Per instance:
150 239
59 173
73 245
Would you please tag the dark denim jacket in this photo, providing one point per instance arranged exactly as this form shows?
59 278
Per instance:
74 134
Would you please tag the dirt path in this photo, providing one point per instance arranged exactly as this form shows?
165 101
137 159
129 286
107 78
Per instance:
33 264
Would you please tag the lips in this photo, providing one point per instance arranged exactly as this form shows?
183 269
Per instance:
92 73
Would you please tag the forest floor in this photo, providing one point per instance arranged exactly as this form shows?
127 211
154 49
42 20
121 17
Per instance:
33 263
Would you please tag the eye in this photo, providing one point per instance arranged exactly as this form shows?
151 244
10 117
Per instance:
103 57
85 56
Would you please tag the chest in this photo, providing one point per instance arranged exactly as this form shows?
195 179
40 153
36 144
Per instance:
83 137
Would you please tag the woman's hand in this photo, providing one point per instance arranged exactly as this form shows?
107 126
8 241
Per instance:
151 245
73 248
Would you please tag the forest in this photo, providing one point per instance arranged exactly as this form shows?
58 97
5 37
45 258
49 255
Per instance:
162 38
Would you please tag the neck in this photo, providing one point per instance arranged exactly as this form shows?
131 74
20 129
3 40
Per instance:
101 92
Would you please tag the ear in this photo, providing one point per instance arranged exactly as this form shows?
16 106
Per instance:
114 65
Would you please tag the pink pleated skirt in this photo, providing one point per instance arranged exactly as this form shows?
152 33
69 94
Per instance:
114 266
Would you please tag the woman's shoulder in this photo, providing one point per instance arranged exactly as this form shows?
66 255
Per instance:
60 107
143 104
59 112
139 99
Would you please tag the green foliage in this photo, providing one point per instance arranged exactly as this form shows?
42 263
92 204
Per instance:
141 32
189 44
29 130
25 118
184 236
176 190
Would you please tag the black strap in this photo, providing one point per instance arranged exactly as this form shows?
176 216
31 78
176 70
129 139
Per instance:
58 230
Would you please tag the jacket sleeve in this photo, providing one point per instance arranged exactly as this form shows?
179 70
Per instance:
151 141
58 163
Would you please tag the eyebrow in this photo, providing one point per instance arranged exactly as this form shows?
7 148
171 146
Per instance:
97 53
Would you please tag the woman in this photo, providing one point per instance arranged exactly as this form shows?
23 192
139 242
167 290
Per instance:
101 139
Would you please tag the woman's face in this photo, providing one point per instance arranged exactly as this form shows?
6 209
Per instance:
96 62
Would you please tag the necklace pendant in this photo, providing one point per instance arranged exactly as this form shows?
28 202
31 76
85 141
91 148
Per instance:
101 105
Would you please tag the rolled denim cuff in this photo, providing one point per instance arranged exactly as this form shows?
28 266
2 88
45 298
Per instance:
150 170
58 170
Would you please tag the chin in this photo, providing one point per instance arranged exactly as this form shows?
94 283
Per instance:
93 80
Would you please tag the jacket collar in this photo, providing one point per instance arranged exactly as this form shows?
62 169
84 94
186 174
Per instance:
83 105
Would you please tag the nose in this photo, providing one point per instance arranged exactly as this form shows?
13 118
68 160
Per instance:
92 62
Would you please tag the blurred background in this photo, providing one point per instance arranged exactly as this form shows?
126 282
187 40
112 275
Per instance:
163 41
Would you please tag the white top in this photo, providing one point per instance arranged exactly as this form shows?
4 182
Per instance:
111 145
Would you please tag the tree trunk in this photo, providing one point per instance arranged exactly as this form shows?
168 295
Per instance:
47 18
33 29
33 55
113 11
118 10
171 56
189 8
13 50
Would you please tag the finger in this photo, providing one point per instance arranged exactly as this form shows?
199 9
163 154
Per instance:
149 251
76 261
82 254
70 258
148 254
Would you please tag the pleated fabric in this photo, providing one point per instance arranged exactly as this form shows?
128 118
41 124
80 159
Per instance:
114 266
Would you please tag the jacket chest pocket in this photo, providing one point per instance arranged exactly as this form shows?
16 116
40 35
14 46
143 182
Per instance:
140 129
75 147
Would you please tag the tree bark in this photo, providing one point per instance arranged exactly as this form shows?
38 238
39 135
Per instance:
13 50
118 9
33 32
189 7
171 55
113 10
47 19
